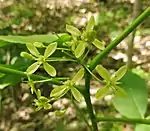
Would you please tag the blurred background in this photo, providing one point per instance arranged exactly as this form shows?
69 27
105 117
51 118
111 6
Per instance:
28 17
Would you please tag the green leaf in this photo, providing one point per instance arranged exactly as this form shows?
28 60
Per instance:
47 38
76 94
79 75
120 92
33 49
134 105
73 30
49 69
98 44
59 91
4 43
90 24
119 73
80 49
103 91
27 55
38 44
103 72
9 79
63 38
32 68
60 112
51 48
142 127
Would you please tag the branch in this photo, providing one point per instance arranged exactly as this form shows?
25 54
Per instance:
88 100
126 120
114 43
7 70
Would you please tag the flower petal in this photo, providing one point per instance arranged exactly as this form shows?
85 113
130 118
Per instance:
98 44
79 75
90 24
103 72
119 73
73 30
102 92
76 94
32 68
59 91
33 50
80 49
49 69
51 48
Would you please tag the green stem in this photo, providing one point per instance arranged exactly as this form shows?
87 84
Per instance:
126 120
114 43
88 101
60 59
23 74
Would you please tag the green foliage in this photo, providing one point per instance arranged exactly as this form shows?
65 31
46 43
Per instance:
29 39
135 103
7 80
139 71
142 127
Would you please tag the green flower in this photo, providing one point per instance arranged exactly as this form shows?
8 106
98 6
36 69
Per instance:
111 81
80 40
60 91
42 102
40 59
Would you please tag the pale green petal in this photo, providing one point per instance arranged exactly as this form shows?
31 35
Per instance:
103 91
59 91
98 44
76 94
73 30
47 106
104 73
27 55
80 49
79 75
33 50
51 48
90 24
119 73
32 68
49 69
60 112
